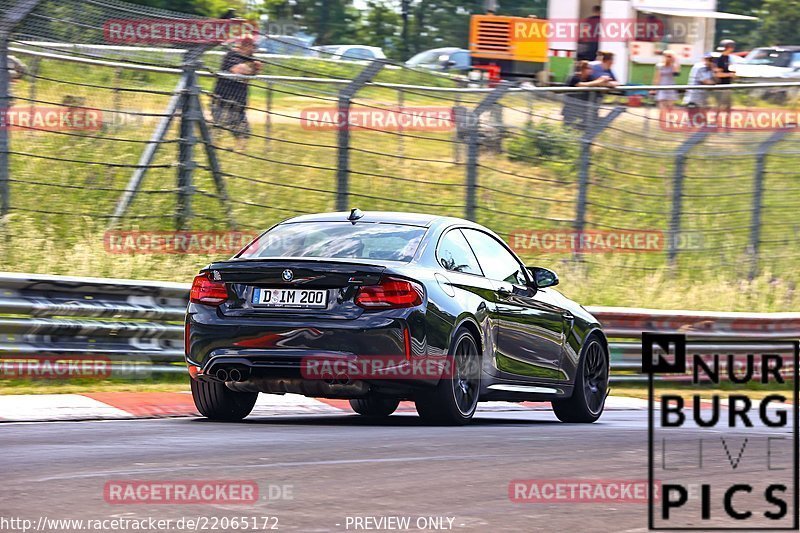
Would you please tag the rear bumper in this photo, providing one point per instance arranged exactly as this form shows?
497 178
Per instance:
370 347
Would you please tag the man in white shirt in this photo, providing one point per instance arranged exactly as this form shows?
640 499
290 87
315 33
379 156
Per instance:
702 73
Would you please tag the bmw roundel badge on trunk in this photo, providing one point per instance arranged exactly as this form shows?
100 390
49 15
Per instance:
287 275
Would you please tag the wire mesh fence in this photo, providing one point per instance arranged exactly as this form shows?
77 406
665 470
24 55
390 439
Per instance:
121 151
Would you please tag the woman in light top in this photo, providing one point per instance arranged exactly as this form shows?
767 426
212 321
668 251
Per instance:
665 73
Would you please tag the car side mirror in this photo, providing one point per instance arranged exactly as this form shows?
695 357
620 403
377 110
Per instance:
543 277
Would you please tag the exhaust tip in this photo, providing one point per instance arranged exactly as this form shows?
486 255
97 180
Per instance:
221 374
235 375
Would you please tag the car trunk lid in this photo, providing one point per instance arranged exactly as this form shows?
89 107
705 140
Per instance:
294 288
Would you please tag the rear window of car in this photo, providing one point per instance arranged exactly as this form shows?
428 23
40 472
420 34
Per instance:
363 240
771 57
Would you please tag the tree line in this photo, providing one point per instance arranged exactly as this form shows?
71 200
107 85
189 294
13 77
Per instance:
405 27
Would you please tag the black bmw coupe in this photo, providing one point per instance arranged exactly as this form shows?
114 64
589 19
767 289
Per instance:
379 307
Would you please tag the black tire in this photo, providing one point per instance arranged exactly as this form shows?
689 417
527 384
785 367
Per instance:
454 400
374 406
215 401
591 385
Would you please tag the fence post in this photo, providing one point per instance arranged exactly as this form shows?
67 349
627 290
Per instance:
186 165
473 144
456 133
677 193
268 120
33 72
594 127
343 117
12 16
401 102
758 194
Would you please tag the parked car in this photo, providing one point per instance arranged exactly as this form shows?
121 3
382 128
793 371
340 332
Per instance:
770 64
446 59
289 45
401 306
353 52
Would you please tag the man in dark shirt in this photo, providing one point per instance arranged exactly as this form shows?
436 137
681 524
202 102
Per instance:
577 110
229 107
589 36
723 74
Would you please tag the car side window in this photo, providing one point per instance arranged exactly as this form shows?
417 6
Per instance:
454 254
358 53
460 59
495 260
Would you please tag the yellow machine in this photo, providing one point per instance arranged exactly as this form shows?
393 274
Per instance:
517 45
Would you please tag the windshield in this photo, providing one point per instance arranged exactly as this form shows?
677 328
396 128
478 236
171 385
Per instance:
769 56
431 57
363 240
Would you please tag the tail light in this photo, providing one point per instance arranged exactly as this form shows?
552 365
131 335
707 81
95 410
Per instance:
207 291
390 293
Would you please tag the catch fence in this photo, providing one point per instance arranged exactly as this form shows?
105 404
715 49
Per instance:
604 181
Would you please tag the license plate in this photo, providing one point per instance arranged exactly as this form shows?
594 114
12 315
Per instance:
294 298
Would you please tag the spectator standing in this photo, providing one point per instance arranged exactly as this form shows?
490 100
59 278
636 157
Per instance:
589 36
702 73
724 75
229 105
665 73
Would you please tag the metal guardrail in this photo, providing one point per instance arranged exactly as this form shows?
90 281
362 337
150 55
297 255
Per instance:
141 322
136 325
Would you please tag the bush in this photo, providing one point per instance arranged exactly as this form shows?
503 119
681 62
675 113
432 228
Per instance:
542 143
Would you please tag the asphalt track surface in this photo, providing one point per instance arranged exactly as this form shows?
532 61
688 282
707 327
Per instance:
338 466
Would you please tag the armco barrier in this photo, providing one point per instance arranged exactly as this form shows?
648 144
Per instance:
140 322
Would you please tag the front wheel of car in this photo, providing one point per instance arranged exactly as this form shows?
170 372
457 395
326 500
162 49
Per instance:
591 386
374 406
216 401
454 400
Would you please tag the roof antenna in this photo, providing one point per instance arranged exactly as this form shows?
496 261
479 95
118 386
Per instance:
355 214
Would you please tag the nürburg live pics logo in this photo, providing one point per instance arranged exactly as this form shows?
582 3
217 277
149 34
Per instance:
722 433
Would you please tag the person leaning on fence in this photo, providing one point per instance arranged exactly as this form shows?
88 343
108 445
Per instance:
665 73
602 67
229 105
696 100
575 103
